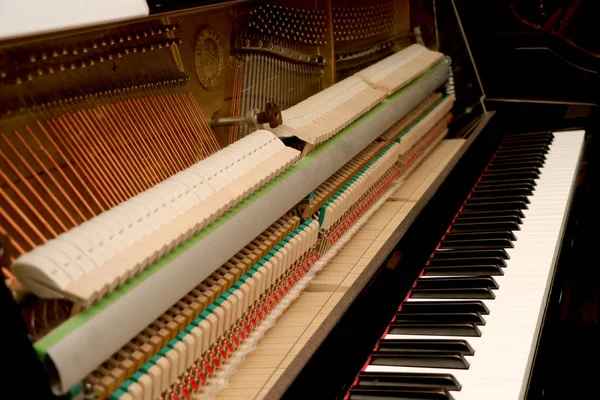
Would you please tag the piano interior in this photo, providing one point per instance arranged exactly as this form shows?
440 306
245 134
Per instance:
257 200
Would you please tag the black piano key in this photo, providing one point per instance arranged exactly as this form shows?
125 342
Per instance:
504 182
505 158
507 205
423 360
460 227
459 346
475 253
483 293
462 270
443 318
473 306
465 262
493 177
501 191
515 164
464 329
531 148
499 159
458 236
518 170
508 169
405 393
404 379
523 141
535 135
476 199
505 186
504 175
525 149
477 217
525 135
477 244
504 164
490 214
456 283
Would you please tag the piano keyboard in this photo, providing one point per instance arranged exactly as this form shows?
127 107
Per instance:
470 325
94 258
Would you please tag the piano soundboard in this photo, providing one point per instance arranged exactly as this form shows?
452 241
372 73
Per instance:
190 198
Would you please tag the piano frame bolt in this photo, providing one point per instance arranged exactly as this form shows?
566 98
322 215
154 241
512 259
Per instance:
271 115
